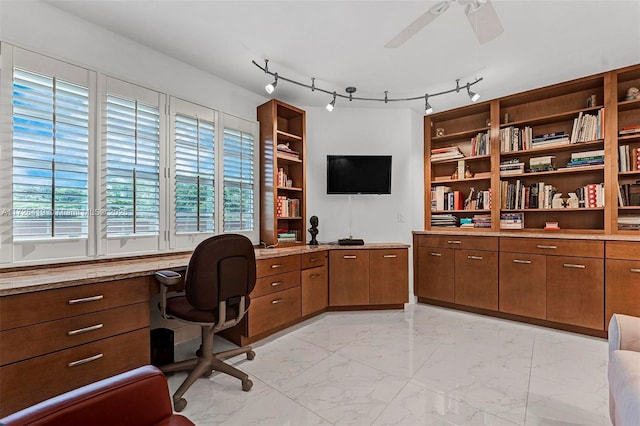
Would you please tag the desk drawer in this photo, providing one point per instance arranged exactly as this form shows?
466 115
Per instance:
629 250
42 306
459 242
273 310
277 265
273 283
552 246
29 382
315 259
27 342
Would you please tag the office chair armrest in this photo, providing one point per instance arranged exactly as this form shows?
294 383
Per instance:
166 278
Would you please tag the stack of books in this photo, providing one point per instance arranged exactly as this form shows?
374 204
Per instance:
511 167
630 130
588 127
628 158
444 221
542 164
587 158
511 220
286 152
629 223
550 139
446 153
482 221
466 222
287 236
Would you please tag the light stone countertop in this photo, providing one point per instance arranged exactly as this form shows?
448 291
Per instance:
43 277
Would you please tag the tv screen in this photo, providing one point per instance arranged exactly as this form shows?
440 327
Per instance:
358 174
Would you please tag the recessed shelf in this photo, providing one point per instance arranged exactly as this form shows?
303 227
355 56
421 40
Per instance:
449 180
459 135
555 172
565 210
551 118
288 136
289 188
560 148
288 159
628 105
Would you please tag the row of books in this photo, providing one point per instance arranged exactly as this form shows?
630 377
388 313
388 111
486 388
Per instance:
629 194
588 127
628 158
444 198
629 223
444 221
514 139
285 235
446 153
539 195
480 144
282 178
512 220
287 207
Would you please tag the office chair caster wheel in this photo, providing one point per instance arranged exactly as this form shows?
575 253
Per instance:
207 373
251 355
246 385
179 404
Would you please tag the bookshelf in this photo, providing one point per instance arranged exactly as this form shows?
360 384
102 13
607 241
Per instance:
562 139
282 168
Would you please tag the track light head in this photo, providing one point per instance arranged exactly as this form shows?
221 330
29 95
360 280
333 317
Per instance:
473 95
332 104
271 86
428 109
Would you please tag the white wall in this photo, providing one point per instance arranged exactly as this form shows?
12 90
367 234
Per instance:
50 31
354 131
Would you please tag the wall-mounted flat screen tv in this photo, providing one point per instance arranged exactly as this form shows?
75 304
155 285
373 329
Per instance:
358 174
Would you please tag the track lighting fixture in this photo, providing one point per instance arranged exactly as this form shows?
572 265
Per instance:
473 95
428 109
331 104
351 90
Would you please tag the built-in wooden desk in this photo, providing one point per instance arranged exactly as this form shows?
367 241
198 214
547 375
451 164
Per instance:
63 326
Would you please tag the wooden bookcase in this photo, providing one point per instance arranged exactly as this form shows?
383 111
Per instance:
551 109
280 124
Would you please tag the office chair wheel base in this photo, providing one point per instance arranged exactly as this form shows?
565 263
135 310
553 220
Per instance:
246 385
179 404
251 355
207 373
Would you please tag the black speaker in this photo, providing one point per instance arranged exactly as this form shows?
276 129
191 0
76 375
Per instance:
161 346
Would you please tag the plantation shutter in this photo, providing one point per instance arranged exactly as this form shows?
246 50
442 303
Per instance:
50 157
238 180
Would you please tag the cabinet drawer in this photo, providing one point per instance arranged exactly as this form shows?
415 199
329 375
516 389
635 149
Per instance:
27 342
315 290
629 250
459 242
622 288
273 283
559 247
18 310
273 310
315 259
277 265
29 382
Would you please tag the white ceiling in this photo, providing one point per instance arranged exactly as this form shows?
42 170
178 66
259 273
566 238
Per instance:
341 43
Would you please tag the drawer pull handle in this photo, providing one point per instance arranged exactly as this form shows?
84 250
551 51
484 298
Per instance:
277 265
314 259
276 283
474 257
84 361
86 299
454 242
435 254
523 262
85 330
314 275
349 257
276 301
636 270
574 265
542 246
390 256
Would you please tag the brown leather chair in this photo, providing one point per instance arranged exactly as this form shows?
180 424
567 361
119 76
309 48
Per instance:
138 397
218 280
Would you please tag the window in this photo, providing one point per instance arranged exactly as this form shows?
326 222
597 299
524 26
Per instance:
238 176
50 157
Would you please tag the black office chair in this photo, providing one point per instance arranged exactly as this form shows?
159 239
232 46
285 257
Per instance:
218 280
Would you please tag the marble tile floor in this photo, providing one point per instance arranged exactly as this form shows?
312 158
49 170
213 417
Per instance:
423 365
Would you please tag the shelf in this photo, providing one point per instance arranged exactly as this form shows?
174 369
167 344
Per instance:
448 180
459 135
629 137
288 159
460 211
449 228
553 118
555 172
289 188
288 217
632 208
455 160
628 105
629 174
560 231
288 136
560 148
580 209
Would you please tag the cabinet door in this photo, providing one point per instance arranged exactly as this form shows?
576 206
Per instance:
523 284
575 291
623 288
476 278
348 277
389 276
315 290
435 273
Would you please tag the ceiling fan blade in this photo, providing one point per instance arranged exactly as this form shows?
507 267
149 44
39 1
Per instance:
422 21
484 21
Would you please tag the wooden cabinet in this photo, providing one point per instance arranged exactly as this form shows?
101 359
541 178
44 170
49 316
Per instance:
434 274
282 169
373 277
622 270
523 284
476 278
75 336
315 282
348 277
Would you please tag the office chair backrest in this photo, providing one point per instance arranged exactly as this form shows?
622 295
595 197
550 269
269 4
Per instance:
221 268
